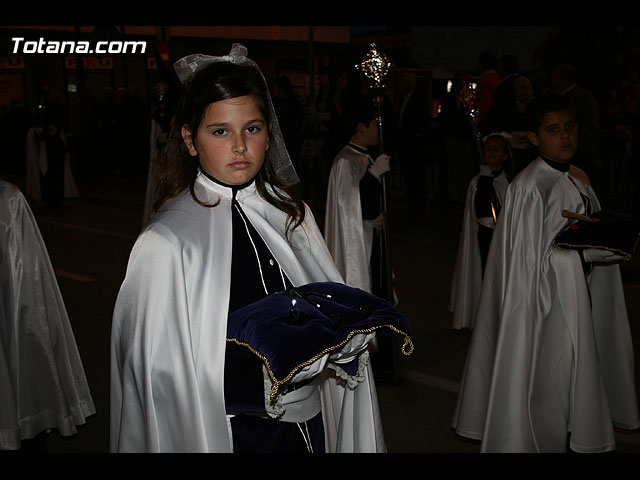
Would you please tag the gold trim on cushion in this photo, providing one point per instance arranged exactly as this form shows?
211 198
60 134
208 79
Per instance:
625 255
577 216
407 349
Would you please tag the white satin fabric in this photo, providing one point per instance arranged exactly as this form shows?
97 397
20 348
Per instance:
467 274
170 322
348 237
42 381
542 362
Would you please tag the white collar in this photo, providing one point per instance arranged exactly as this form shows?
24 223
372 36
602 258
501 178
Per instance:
358 148
222 190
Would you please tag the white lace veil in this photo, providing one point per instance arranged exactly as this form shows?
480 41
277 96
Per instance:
187 67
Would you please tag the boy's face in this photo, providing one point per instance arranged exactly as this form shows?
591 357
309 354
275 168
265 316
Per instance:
557 137
370 134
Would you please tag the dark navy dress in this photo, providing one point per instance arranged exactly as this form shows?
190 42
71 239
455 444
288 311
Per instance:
255 273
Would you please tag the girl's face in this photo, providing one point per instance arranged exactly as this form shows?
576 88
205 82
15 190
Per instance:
232 140
494 153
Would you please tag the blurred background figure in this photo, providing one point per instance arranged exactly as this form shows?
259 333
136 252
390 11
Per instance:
412 133
84 134
503 110
585 106
131 133
16 121
289 108
521 148
49 177
487 83
159 131
457 144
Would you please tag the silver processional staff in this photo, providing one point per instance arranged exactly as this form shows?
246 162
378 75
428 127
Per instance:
375 65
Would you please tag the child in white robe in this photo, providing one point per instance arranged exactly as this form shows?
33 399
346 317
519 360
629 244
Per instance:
485 196
550 364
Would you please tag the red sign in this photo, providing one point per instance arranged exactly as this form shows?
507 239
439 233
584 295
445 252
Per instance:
165 54
89 63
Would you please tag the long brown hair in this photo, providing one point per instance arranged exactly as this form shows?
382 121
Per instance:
177 170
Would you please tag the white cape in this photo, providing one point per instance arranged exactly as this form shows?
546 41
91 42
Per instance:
348 237
42 381
170 322
467 274
542 362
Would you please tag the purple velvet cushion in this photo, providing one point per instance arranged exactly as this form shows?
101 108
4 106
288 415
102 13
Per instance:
612 232
292 329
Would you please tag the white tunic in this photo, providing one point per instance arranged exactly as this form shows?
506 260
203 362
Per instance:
542 361
349 237
42 381
467 276
170 323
